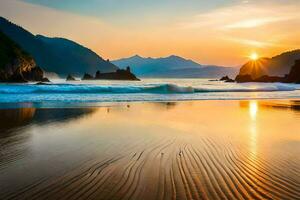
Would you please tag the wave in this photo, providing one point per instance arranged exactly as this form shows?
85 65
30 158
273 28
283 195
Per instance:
151 88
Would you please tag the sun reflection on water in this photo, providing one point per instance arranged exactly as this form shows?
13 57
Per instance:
253 110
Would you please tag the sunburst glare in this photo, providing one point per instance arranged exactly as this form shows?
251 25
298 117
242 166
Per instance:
254 56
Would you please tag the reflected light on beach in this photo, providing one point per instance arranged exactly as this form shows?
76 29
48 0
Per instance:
253 109
182 150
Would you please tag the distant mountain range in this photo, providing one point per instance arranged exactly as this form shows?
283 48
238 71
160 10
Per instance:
172 67
57 55
63 57
279 65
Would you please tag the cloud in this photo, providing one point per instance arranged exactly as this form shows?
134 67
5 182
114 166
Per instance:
254 24
254 43
244 15
219 36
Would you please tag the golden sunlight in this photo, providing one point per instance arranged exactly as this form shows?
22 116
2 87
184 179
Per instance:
254 56
253 108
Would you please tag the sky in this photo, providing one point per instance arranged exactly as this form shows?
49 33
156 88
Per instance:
220 32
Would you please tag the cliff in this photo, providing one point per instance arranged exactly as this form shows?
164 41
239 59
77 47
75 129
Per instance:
15 64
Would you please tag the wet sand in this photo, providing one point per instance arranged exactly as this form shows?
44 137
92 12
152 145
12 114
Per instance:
176 150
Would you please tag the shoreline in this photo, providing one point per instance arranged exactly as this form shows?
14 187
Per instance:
152 90
79 105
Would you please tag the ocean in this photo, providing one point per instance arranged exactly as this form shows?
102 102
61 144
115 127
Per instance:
149 139
62 93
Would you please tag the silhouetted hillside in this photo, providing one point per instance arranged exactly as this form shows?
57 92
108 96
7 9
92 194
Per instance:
172 67
57 55
275 66
15 64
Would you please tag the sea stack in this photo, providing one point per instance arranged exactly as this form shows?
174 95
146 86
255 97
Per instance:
70 78
87 76
226 79
120 74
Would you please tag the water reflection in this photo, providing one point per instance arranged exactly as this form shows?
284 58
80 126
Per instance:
253 110
16 118
200 147
274 111
13 118
254 105
292 105
14 124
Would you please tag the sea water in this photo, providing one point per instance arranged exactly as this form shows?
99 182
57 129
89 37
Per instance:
60 92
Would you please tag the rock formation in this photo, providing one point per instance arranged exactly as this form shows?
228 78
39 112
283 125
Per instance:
87 76
120 74
243 78
276 66
226 79
292 77
15 64
70 78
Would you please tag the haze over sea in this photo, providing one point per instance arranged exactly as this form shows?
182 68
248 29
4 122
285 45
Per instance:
62 93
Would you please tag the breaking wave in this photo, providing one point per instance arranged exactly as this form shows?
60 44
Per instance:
151 88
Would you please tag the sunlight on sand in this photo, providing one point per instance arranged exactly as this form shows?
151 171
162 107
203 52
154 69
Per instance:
174 150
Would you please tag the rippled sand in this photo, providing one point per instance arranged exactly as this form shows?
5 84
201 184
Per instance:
178 150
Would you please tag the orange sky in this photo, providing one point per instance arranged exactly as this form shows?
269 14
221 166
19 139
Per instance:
224 35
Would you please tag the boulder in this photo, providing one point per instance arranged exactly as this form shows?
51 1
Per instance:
70 78
87 76
226 79
45 80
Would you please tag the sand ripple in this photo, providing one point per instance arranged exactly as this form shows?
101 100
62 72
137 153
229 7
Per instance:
173 169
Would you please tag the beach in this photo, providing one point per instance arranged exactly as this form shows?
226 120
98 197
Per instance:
210 149
129 100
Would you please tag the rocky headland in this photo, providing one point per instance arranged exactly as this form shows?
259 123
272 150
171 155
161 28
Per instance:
292 77
16 65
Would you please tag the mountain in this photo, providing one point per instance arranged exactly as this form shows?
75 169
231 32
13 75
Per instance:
292 77
279 65
16 65
172 67
57 55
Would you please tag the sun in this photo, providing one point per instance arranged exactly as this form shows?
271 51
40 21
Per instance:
254 56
